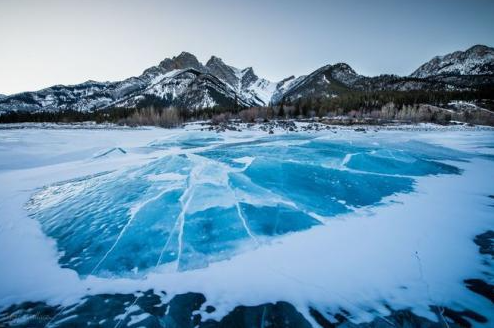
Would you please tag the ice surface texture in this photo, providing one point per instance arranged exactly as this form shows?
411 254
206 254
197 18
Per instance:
210 200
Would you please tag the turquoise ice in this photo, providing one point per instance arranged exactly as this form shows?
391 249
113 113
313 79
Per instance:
212 199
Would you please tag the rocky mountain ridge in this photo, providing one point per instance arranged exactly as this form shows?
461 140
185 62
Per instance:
477 60
185 82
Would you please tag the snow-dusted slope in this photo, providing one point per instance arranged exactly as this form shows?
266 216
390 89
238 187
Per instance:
249 87
327 81
333 80
462 69
185 82
180 81
187 88
478 60
84 96
284 85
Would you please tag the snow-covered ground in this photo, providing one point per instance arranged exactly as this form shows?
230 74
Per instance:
333 219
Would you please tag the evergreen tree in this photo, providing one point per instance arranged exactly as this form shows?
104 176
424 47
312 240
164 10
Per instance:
281 111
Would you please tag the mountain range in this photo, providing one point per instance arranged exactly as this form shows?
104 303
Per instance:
184 82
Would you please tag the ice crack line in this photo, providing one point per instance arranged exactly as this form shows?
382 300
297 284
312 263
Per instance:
166 244
347 159
241 215
124 229
244 223
178 223
188 194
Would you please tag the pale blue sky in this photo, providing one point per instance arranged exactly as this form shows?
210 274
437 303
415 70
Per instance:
65 42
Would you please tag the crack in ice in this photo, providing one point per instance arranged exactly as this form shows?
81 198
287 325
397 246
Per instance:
134 212
181 221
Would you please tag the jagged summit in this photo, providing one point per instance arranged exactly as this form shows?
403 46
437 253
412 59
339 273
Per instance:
214 60
344 68
248 77
244 81
182 61
342 72
217 67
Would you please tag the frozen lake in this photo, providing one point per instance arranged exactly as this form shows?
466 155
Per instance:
330 220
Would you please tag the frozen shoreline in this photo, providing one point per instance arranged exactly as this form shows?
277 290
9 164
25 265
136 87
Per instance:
260 276
300 125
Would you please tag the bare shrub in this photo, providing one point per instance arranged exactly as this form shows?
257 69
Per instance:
388 111
249 115
263 113
220 118
476 116
167 117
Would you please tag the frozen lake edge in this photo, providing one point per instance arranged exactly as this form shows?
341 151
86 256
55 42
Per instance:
30 179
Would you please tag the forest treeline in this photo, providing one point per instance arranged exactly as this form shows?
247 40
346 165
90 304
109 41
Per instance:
378 106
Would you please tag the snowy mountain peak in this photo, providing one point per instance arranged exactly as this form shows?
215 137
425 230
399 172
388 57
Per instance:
249 87
227 73
343 68
215 61
342 72
477 60
182 61
248 77
479 48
